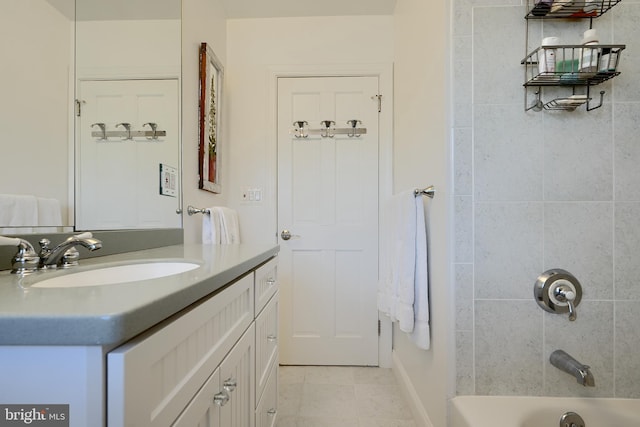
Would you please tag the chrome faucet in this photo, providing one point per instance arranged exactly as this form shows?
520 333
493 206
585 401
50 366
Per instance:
563 361
26 260
65 255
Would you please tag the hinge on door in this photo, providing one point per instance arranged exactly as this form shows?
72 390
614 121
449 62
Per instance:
379 327
379 98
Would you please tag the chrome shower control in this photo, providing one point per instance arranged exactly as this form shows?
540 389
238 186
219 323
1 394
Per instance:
558 291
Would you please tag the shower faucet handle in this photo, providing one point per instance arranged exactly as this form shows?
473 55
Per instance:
565 293
558 291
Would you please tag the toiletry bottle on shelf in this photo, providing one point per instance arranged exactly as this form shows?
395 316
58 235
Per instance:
589 56
541 7
608 60
547 56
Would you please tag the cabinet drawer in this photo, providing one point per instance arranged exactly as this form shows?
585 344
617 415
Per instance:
203 411
266 283
267 409
151 379
266 343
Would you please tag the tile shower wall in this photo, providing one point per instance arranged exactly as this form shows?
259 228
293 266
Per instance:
541 190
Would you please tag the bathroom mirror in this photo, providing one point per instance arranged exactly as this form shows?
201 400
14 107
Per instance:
72 63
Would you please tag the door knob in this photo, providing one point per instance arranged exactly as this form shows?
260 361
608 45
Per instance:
286 234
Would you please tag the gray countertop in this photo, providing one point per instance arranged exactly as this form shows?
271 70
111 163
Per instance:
109 315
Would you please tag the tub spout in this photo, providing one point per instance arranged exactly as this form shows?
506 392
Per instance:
563 361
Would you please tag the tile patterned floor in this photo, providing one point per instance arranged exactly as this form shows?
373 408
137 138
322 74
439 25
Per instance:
322 396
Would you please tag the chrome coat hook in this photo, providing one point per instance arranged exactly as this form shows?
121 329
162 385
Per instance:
127 126
103 129
299 129
154 127
327 126
354 123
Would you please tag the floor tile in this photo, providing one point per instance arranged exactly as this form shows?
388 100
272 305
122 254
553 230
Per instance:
330 396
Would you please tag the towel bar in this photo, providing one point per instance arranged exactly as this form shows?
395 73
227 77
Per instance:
191 210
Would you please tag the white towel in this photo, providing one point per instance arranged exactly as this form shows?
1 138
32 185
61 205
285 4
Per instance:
220 226
403 285
420 335
18 210
49 213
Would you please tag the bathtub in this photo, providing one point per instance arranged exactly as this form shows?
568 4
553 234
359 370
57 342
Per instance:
498 411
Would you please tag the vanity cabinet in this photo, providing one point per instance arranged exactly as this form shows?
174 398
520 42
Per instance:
213 364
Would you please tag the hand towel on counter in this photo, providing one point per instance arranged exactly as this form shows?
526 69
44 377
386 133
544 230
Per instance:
220 226
403 284
18 210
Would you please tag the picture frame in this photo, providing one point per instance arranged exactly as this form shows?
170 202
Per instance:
210 109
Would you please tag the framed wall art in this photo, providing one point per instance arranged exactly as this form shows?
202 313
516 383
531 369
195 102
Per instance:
210 107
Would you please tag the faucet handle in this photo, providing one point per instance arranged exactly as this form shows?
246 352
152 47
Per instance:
565 293
26 260
70 258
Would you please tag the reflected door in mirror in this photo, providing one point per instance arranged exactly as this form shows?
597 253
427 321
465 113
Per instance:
119 176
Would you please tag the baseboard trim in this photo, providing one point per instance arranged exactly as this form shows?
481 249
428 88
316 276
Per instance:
409 392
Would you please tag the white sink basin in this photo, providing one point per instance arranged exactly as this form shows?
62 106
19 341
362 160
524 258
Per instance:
117 274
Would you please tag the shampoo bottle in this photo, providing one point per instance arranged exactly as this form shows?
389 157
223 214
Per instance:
589 56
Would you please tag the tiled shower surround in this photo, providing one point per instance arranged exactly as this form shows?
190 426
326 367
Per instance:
542 190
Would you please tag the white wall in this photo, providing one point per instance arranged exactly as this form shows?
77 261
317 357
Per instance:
255 48
421 158
202 21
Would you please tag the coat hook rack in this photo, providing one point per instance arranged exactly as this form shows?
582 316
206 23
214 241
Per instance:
128 133
328 130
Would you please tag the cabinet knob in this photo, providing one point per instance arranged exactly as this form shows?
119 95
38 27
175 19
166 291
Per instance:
272 338
221 398
230 385
272 412
271 281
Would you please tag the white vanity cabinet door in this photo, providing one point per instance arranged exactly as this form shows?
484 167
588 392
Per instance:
152 378
267 409
266 343
237 378
203 411
266 283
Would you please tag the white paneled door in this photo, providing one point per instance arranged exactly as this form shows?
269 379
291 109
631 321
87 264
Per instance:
328 205
119 177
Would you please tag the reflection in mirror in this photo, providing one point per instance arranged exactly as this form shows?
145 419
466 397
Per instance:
36 111
127 76
127 136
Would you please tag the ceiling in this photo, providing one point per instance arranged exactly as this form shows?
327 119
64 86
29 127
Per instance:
237 9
